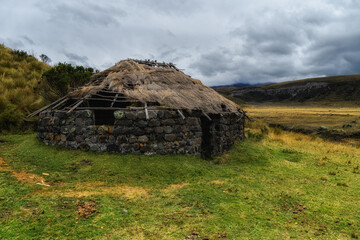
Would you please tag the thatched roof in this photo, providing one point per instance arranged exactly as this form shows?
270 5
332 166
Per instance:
161 83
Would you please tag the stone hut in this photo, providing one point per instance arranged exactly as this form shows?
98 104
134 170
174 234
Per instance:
143 107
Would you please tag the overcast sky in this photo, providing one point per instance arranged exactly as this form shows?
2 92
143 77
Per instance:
217 41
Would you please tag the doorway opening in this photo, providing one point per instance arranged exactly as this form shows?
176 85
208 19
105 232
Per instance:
207 138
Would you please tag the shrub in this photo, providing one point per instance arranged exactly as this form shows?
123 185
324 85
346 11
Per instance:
59 80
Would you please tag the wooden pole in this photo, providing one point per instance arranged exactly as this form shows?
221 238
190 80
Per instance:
46 107
146 112
60 103
113 102
181 114
207 116
78 104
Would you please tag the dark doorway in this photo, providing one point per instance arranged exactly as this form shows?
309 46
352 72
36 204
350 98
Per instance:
104 117
206 143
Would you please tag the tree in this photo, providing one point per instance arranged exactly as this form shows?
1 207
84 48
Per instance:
45 58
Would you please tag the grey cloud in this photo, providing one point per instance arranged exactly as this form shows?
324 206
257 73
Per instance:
74 58
182 8
86 13
27 39
219 42
12 43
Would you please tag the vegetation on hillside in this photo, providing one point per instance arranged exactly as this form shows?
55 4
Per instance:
27 84
20 74
60 79
273 185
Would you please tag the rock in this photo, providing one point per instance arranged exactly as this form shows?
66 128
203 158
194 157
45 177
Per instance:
111 139
170 114
130 115
159 129
102 129
112 148
152 114
123 122
192 121
78 139
141 115
143 139
88 113
322 128
167 122
79 121
102 138
168 129
154 123
119 114
132 139
137 131
160 114
170 137
124 211
142 123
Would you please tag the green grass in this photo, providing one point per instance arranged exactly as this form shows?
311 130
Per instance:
274 186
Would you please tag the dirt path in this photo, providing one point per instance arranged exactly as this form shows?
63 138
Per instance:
22 175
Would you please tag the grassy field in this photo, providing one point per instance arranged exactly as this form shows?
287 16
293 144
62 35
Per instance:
340 122
273 185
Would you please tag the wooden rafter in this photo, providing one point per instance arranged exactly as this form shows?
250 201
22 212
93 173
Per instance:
181 114
60 103
114 101
207 116
46 107
78 103
146 111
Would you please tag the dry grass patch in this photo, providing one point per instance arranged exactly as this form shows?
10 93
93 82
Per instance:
22 175
175 186
98 188
308 118
217 182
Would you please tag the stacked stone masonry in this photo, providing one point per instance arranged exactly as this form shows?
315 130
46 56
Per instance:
164 132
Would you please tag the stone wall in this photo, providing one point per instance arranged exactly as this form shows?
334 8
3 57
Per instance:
165 132
226 129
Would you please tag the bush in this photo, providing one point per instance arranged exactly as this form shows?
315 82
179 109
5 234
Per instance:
59 80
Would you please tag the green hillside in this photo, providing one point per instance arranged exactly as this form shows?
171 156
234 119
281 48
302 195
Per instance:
334 90
20 74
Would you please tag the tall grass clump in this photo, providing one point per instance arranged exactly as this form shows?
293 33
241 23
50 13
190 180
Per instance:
27 84
20 74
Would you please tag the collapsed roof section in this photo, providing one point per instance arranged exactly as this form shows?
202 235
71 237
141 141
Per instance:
138 84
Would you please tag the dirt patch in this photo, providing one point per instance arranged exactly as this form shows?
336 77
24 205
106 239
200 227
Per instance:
22 175
86 209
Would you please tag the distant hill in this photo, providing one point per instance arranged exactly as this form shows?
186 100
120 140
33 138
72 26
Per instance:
238 85
20 74
326 90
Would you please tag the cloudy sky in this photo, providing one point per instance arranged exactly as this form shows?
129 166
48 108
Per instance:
217 41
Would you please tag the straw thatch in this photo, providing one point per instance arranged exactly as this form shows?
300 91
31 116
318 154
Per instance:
165 85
